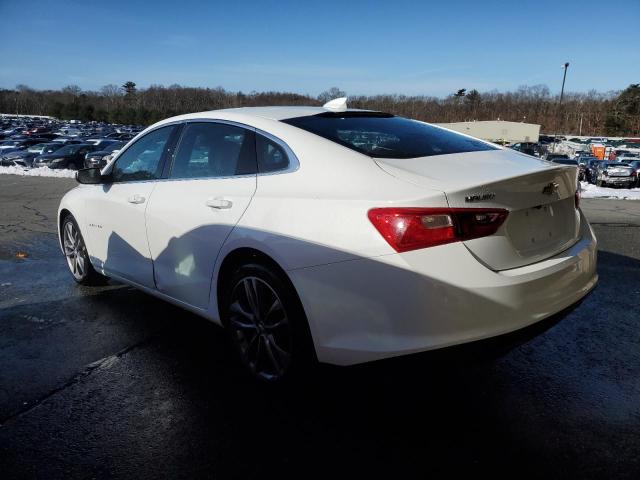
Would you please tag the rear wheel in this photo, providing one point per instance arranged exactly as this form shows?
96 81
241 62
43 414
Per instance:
266 323
75 252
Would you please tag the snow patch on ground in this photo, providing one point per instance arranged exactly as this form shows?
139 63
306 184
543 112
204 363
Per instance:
592 191
37 172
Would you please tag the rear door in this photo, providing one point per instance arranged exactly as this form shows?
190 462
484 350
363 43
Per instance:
209 186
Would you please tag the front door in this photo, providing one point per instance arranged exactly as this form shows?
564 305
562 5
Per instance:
115 212
191 213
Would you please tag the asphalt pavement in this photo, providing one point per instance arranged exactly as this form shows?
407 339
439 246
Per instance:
109 382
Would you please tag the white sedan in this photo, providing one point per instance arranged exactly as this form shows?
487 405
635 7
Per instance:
330 234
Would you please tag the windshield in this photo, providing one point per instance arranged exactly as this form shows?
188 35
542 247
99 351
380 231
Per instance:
37 147
114 146
69 149
386 136
52 147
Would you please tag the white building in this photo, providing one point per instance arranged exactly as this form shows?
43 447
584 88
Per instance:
493 130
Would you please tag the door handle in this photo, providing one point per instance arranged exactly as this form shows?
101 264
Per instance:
136 199
219 203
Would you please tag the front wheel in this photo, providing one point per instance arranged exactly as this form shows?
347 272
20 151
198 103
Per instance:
75 252
266 323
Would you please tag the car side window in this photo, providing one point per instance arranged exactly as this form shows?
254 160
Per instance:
141 161
271 156
210 150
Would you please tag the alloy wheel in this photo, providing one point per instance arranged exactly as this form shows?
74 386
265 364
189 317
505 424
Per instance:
260 327
74 250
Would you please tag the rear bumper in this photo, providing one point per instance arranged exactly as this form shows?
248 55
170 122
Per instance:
619 180
373 308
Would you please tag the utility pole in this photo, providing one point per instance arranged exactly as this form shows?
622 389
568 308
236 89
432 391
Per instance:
564 77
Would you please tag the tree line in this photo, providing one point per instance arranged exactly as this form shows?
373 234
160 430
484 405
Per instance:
591 113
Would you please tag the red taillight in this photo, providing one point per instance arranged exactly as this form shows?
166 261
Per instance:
413 228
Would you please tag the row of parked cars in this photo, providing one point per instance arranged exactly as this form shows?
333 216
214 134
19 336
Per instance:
624 171
34 143
47 143
620 169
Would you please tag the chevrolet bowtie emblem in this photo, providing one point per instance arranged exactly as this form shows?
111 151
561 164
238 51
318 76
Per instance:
551 188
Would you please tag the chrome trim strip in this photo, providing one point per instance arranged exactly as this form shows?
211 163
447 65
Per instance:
294 163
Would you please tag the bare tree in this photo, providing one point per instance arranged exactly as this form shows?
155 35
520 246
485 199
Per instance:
333 92
598 112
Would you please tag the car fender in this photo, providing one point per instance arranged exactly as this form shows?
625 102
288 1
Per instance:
72 202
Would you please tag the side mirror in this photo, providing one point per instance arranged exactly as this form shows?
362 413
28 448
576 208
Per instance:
89 176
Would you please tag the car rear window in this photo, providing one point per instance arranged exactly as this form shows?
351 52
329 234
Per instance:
386 136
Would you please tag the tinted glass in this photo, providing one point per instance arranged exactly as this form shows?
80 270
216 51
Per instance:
387 136
271 156
52 148
113 146
214 150
36 148
141 161
564 161
68 150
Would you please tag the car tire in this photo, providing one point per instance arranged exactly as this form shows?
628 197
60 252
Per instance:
75 252
266 324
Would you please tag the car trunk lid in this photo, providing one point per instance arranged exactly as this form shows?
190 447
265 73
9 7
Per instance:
540 198
619 171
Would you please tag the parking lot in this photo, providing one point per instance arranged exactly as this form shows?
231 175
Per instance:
108 381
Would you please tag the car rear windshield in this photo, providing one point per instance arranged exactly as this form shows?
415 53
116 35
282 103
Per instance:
564 161
386 136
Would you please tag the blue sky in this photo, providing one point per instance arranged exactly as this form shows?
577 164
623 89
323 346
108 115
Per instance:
392 46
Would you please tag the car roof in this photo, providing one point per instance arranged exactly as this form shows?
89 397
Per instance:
271 113
282 113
